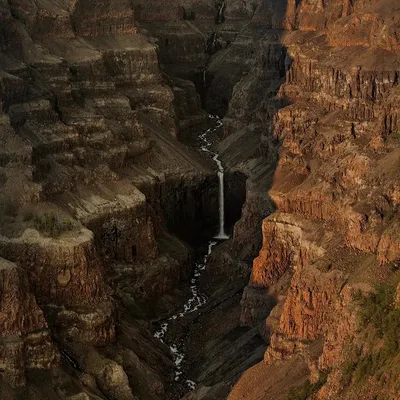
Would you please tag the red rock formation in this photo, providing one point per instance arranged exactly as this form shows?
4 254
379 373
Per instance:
335 175
25 338
67 277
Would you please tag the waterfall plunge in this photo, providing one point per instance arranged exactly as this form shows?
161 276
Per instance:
206 145
221 234
197 299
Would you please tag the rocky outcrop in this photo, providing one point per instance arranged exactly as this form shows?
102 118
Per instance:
67 277
93 184
289 244
25 338
334 177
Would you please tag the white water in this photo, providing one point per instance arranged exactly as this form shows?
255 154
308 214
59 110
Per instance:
196 299
206 147
221 233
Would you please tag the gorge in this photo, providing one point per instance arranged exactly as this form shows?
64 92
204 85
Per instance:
199 199
197 299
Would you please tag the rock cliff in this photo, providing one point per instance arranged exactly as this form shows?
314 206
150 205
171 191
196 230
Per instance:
333 190
94 182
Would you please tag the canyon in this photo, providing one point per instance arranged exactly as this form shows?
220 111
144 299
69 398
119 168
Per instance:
199 199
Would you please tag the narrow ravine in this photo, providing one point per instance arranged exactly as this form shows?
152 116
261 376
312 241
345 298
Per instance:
197 299
206 148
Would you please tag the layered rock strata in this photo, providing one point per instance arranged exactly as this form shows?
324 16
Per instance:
25 338
93 182
333 189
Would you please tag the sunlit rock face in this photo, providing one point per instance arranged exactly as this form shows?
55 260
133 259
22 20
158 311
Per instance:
334 188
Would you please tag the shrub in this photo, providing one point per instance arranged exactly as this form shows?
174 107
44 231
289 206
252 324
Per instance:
347 372
305 390
10 209
8 212
396 134
365 367
299 392
28 216
51 224
377 309
3 178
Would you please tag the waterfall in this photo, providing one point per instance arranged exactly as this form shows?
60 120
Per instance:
206 147
221 199
221 233
196 299
220 17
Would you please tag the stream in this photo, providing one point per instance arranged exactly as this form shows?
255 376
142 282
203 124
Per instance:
197 299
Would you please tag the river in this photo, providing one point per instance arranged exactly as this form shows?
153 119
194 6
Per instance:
197 299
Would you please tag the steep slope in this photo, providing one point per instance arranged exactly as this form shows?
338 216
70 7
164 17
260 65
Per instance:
93 182
334 234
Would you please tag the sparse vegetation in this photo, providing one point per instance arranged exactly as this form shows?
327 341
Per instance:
365 367
8 210
8 217
377 310
49 223
3 179
396 134
347 372
305 390
28 216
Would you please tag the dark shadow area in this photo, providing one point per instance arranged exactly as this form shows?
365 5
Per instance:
202 80
188 15
237 77
250 134
219 55
191 212
235 190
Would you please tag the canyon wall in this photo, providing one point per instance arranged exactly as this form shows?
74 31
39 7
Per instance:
94 185
333 236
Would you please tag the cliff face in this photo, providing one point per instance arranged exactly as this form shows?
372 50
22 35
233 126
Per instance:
93 183
26 341
67 276
334 188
